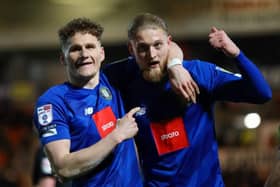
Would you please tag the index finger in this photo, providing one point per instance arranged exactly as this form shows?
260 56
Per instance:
214 29
133 111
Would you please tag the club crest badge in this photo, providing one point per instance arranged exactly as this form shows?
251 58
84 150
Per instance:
105 93
45 115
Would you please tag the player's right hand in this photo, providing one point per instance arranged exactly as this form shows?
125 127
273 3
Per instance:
126 126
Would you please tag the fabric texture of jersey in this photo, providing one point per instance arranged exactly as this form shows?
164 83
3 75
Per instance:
176 140
84 116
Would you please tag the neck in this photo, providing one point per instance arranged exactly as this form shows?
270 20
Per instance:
85 82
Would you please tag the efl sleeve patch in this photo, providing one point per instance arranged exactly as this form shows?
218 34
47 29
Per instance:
45 114
170 136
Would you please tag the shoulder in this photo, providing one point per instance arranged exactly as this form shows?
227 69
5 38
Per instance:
199 67
121 72
196 63
56 90
203 72
53 94
124 65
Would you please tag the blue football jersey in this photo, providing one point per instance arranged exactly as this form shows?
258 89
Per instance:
84 116
176 140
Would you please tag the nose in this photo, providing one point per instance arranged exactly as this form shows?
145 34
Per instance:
152 52
84 52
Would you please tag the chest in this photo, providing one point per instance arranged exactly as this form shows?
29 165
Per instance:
92 114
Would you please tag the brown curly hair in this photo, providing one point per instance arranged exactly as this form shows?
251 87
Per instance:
82 25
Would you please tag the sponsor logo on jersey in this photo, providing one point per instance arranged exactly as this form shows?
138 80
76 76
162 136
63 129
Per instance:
45 115
105 93
107 125
105 121
169 136
88 111
48 130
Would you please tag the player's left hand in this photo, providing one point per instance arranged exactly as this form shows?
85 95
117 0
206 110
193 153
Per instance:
221 41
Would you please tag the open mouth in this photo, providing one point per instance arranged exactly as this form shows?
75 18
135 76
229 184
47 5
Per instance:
153 63
80 64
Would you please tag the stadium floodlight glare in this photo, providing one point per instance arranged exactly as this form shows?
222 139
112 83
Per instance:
252 120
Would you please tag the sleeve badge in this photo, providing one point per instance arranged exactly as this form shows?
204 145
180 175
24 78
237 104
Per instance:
45 114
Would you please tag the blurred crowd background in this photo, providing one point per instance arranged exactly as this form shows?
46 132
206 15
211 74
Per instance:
29 63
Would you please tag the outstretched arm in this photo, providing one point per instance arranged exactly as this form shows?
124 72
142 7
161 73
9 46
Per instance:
69 165
252 86
180 79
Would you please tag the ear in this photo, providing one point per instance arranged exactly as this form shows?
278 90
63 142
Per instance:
169 39
102 54
62 58
130 49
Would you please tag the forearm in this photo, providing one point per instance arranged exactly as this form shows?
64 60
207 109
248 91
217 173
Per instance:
77 163
175 52
69 165
252 75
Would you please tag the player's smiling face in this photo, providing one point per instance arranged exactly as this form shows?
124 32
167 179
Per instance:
83 56
150 48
